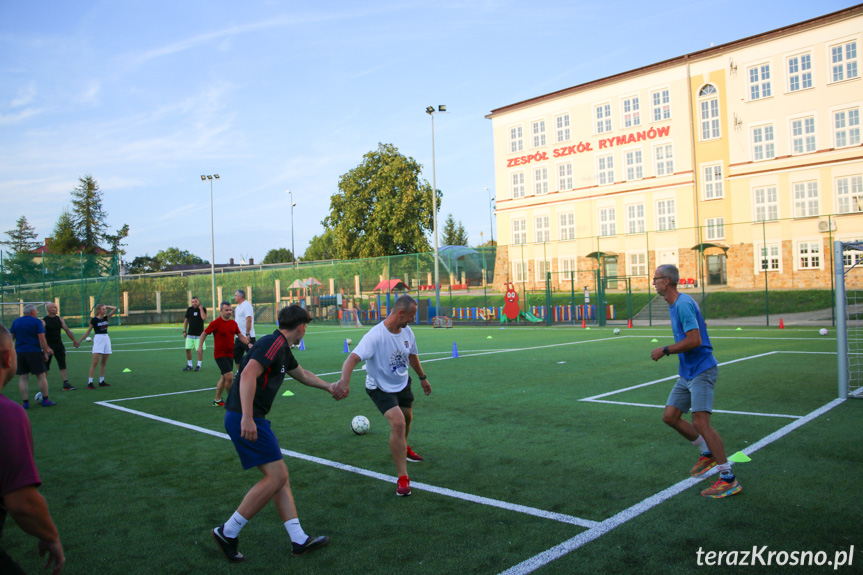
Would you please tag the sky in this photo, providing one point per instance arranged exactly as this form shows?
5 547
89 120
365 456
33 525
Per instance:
276 96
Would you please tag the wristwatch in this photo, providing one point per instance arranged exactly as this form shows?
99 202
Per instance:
423 377
665 351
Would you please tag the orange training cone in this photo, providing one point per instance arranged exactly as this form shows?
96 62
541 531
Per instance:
781 324
630 323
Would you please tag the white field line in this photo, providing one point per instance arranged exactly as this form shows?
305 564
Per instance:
714 411
619 519
373 474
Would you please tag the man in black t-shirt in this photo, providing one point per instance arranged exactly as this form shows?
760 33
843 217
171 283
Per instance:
193 327
54 326
250 399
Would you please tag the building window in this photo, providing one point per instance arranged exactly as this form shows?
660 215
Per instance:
666 216
661 103
564 176
768 258
709 112
809 255
664 158
543 230
803 135
846 127
605 170
631 112
607 225
568 269
713 184
759 82
519 231
538 129
805 199
542 267
567 226
844 61
852 257
517 190
519 271
635 219
602 114
799 72
715 228
561 126
637 262
634 170
516 139
766 204
849 193
763 147
540 181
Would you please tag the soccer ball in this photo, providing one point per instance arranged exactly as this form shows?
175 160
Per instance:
823 331
360 425
38 397
349 341
616 331
89 338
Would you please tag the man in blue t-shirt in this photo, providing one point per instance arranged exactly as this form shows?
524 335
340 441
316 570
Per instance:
250 399
694 388
32 352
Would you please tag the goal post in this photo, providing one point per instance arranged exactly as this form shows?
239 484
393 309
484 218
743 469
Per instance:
12 310
349 317
441 321
848 275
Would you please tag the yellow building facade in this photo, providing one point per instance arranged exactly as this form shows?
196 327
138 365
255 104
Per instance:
734 162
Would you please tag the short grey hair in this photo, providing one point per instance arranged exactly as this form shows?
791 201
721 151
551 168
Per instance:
670 271
404 303
241 293
29 309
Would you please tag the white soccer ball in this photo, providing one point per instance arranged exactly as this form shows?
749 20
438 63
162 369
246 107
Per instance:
349 340
89 339
823 331
38 397
616 331
360 425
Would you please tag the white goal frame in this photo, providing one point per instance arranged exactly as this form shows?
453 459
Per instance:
350 318
441 321
18 309
849 329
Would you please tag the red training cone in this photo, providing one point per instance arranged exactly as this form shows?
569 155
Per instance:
630 323
781 324
583 324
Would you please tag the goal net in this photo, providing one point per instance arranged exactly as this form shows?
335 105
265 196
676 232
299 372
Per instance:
350 318
848 273
441 321
10 311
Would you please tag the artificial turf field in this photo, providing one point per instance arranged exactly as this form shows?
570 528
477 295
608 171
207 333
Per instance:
544 452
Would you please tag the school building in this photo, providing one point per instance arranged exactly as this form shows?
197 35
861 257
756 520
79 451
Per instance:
732 162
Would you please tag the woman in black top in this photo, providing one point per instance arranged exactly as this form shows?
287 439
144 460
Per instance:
101 342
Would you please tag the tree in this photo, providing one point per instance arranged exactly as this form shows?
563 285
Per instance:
454 234
142 265
64 240
90 220
382 207
279 256
322 247
165 259
22 238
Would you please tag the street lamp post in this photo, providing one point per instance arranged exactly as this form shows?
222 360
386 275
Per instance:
431 112
491 213
293 253
212 240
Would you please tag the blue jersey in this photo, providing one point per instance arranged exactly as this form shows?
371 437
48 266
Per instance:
26 330
685 316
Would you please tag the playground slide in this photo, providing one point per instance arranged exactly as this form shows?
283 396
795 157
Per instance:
530 317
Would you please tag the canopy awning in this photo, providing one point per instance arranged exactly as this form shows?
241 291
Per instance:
705 245
599 255
391 285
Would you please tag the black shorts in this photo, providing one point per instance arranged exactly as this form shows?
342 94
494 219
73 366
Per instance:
386 401
240 349
226 365
60 354
31 362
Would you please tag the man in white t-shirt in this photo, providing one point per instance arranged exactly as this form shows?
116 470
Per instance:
244 315
388 349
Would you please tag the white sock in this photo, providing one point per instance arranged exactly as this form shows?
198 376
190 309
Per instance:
91 380
101 380
725 468
233 525
189 362
701 445
296 532
199 363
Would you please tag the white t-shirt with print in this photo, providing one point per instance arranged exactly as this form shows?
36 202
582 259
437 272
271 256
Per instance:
386 356
241 312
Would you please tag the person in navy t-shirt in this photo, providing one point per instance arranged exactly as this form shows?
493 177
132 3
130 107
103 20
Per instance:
32 352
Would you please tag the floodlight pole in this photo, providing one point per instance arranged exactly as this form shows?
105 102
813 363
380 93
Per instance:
431 111
293 253
491 213
212 239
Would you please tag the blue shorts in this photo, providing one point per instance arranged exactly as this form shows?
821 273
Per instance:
696 393
253 453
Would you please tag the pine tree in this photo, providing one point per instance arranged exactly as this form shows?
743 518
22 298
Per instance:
64 240
22 238
87 213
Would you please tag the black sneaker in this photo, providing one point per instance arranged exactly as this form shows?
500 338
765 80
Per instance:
91 386
311 544
197 368
228 545
104 384
68 387
187 368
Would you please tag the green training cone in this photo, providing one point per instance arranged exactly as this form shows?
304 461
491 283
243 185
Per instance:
288 393
739 329
654 340
739 457
127 370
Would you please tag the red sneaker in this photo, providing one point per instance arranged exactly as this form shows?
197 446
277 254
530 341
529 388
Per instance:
403 488
413 455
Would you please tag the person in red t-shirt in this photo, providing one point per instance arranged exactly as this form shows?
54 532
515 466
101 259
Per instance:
224 329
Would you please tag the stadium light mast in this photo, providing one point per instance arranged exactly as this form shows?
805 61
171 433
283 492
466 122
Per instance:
491 213
212 240
293 253
431 112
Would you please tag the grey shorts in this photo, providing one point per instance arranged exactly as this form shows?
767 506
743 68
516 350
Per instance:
696 393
